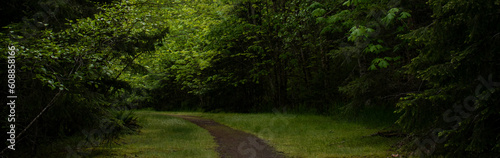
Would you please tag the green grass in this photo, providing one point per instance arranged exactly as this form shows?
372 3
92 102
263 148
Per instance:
312 135
162 136
294 135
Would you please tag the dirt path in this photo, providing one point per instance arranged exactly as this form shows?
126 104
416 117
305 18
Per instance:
234 143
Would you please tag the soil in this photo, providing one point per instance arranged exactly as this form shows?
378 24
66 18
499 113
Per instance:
234 143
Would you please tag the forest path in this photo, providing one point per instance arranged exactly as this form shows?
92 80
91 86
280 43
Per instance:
234 143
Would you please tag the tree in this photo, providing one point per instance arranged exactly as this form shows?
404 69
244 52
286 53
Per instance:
69 73
457 51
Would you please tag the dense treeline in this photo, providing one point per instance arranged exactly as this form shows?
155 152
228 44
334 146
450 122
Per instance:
434 62
293 54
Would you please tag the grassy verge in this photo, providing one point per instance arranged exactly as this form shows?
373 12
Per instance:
295 135
162 136
311 135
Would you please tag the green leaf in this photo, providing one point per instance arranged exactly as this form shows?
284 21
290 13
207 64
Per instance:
354 2
318 12
404 15
374 48
380 62
339 16
391 14
360 31
383 64
320 20
315 5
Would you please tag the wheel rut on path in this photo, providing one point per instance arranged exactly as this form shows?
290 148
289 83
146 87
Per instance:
234 143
